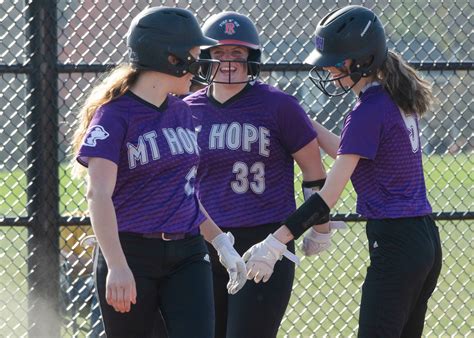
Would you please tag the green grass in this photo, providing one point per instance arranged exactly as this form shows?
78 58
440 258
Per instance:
326 292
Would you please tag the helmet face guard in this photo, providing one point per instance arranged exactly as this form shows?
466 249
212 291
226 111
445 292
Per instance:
253 72
203 70
329 86
333 86
195 67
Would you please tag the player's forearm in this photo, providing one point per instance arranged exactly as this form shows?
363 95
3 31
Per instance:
315 175
328 141
308 159
209 229
338 177
283 234
317 207
104 223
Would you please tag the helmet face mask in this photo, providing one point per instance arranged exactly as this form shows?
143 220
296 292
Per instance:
336 86
351 33
330 86
253 70
234 29
204 70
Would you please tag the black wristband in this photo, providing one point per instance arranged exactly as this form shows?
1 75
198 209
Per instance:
312 184
308 187
312 212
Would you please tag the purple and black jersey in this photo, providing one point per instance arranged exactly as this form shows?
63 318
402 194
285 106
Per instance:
155 149
389 177
246 171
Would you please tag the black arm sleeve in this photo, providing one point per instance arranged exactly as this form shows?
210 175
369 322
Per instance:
314 211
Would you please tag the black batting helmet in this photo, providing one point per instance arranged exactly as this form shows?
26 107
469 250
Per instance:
234 29
352 32
158 32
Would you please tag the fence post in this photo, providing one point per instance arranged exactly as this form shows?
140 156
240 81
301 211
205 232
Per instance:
42 171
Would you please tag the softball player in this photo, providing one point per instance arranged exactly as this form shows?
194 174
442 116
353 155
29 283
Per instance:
140 148
250 133
379 150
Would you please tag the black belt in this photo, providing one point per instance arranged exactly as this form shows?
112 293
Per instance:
165 236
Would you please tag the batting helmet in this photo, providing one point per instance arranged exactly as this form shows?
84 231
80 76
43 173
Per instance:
352 32
234 29
158 32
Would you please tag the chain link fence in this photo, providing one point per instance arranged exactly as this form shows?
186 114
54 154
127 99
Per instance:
52 52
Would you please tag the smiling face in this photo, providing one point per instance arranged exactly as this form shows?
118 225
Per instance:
229 70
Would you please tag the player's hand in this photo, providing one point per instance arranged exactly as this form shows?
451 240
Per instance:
231 260
121 291
314 242
261 258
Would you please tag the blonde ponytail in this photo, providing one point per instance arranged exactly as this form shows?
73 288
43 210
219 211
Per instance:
114 85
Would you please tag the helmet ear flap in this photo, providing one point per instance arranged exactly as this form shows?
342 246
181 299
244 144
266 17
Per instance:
362 67
355 76
253 69
205 54
254 62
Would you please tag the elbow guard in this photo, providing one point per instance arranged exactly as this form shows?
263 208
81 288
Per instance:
310 187
314 211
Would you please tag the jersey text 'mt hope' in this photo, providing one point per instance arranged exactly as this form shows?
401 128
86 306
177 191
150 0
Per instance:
231 136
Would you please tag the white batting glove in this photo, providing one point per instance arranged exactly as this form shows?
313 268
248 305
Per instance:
88 241
314 242
261 258
231 260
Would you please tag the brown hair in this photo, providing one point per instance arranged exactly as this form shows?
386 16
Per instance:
113 85
406 87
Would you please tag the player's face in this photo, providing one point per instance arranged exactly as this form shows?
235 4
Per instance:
339 74
233 67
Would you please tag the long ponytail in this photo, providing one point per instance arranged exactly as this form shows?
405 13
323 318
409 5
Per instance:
409 91
114 85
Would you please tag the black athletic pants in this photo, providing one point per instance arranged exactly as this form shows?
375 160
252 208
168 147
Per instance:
405 262
173 279
256 310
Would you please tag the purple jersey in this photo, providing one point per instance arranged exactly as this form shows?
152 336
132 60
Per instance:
246 171
389 177
155 149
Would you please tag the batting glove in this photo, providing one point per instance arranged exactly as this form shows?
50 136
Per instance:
314 242
261 258
231 260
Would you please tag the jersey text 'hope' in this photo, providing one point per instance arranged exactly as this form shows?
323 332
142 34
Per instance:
235 135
